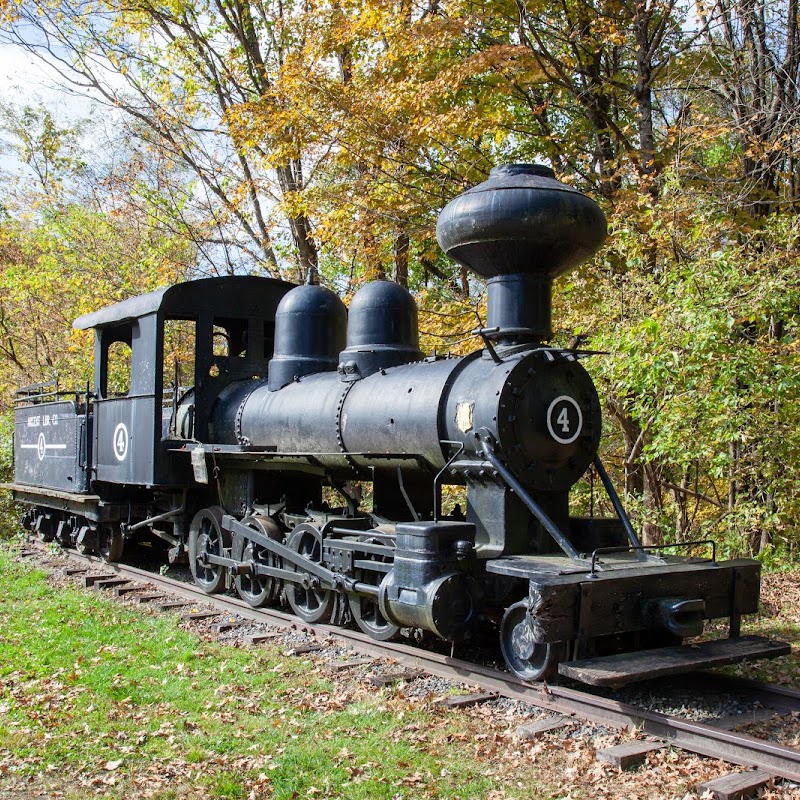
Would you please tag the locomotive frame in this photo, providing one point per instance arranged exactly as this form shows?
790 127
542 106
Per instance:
230 471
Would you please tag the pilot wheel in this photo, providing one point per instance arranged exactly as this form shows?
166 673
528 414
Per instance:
529 660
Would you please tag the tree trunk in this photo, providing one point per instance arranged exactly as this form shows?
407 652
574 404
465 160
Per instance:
290 180
652 533
401 247
463 279
681 500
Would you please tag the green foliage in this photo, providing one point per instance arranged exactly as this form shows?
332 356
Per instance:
8 523
51 152
703 355
57 267
6 447
69 245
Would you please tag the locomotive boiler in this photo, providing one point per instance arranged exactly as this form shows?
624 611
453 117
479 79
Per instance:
292 395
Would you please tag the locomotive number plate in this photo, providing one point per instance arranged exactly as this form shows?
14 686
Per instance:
121 440
564 419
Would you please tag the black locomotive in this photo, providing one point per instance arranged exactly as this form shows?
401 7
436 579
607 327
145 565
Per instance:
291 398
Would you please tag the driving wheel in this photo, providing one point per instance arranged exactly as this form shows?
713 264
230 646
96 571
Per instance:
258 590
308 600
205 538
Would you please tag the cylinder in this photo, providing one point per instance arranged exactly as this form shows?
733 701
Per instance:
430 586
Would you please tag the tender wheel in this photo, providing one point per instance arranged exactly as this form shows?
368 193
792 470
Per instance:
365 610
63 534
206 538
527 659
111 543
258 590
43 526
311 603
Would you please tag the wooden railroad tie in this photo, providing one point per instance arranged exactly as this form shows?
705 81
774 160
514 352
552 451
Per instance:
629 754
733 721
121 591
303 649
168 605
191 616
466 700
736 785
70 571
90 580
390 678
149 597
539 727
227 625
349 663
258 638
110 583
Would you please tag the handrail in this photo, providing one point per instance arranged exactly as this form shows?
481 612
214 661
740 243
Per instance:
622 514
23 399
644 547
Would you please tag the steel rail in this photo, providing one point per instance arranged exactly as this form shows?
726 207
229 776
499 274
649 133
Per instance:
782 699
697 737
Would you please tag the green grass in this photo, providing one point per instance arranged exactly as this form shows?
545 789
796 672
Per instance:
118 702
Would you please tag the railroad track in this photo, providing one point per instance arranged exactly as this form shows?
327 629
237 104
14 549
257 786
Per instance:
713 738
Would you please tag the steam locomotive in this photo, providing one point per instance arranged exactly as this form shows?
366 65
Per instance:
292 398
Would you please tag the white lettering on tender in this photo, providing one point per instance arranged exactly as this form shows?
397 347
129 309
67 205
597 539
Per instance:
42 421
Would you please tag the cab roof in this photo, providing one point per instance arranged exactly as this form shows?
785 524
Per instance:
185 298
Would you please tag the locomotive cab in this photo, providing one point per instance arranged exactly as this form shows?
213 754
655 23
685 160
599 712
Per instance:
162 359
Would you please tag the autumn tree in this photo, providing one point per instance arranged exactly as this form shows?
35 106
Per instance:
753 52
415 127
325 136
316 132
66 248
177 72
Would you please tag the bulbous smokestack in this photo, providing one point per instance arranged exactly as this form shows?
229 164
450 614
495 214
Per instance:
520 229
